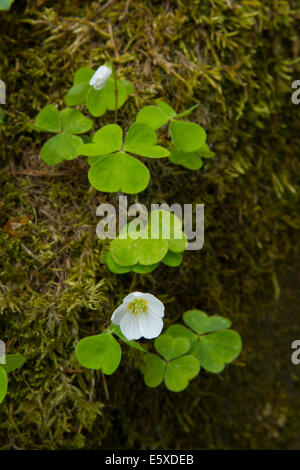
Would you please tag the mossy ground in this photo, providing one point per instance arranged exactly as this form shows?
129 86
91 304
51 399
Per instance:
238 59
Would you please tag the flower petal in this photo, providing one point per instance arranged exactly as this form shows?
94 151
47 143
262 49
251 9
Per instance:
132 296
130 326
150 325
118 314
100 77
154 305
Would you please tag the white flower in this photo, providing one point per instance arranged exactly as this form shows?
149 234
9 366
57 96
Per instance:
100 77
139 315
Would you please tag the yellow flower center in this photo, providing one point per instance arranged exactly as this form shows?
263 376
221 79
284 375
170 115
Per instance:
138 306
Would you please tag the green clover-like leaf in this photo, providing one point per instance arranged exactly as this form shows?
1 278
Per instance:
114 267
191 160
205 151
142 250
83 76
117 269
130 252
153 370
110 94
180 371
78 92
106 140
180 331
173 260
13 361
217 349
170 348
139 135
216 345
188 111
95 101
166 109
176 373
141 140
60 147
48 119
152 116
5 4
187 136
2 115
98 101
99 352
202 323
3 384
141 269
74 122
119 172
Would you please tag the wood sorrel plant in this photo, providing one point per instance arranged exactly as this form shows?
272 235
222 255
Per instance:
113 155
142 251
112 152
205 341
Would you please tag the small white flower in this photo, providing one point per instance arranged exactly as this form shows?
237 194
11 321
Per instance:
100 77
139 315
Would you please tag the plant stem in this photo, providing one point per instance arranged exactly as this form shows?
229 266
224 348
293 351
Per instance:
116 95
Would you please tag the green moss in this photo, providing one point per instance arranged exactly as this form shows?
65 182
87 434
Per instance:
238 60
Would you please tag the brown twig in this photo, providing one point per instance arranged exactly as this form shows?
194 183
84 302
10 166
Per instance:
105 386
